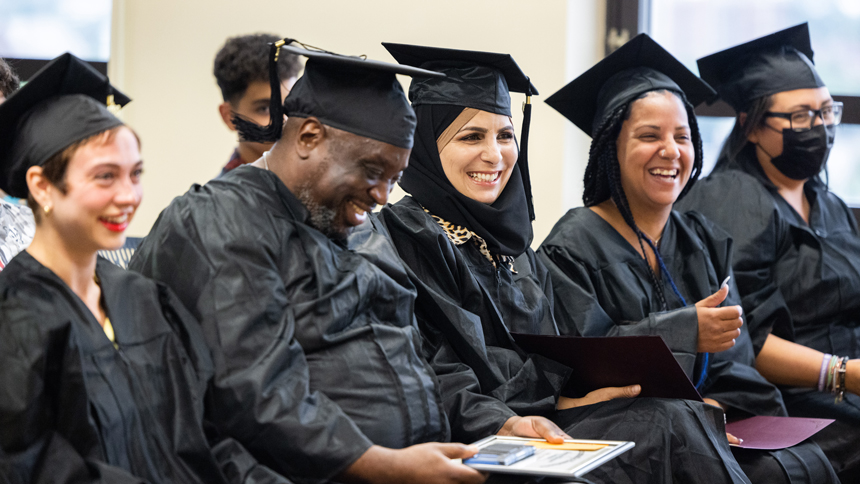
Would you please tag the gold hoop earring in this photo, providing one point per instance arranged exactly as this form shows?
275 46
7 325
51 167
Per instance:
47 209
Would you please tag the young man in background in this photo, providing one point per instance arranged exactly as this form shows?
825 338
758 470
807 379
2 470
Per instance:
242 71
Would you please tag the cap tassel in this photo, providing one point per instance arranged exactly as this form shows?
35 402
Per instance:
251 131
524 150
110 101
111 105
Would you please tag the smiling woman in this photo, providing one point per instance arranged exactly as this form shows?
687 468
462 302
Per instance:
90 186
480 157
626 264
655 152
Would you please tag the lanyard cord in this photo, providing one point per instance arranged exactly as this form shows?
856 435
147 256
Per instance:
665 271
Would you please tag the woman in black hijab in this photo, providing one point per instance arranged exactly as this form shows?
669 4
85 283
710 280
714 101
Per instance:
626 264
464 234
104 372
797 246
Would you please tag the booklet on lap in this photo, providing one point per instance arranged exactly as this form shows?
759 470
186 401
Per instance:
571 459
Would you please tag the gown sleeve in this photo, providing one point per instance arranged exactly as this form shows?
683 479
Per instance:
732 378
478 398
236 463
31 450
472 413
760 236
261 395
579 311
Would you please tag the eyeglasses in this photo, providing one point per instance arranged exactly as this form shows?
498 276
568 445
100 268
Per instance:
803 120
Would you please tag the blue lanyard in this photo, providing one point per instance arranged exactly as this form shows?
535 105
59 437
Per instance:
665 271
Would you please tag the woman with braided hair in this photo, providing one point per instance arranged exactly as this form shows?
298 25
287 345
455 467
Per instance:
627 264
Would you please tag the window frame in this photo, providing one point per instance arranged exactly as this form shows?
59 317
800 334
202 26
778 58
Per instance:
27 68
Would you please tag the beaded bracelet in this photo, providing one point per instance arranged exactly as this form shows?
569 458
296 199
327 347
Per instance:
829 384
837 362
833 378
840 390
822 374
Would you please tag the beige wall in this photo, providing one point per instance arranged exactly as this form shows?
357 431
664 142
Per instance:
163 50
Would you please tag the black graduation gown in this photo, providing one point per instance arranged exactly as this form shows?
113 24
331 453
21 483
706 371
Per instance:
315 348
602 287
466 309
75 409
799 281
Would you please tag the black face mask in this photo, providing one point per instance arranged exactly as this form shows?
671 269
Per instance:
805 152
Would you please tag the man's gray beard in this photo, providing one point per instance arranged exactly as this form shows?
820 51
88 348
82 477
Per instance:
320 217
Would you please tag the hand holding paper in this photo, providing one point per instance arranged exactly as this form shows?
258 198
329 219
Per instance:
597 396
422 463
536 427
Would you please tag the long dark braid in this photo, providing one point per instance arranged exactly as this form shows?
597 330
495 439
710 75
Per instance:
602 179
698 151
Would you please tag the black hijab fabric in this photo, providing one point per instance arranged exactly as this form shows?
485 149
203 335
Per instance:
505 224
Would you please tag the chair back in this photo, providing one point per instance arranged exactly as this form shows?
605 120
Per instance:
122 256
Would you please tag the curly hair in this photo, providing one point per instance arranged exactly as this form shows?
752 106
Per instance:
603 173
8 79
245 59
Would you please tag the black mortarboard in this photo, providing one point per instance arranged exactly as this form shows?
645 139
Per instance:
637 67
778 62
63 103
480 80
354 94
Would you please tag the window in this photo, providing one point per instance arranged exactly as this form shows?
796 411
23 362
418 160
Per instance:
32 33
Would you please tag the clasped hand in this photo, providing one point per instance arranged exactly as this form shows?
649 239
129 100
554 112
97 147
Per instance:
718 327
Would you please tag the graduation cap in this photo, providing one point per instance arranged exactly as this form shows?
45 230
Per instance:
351 93
65 102
778 62
474 79
637 67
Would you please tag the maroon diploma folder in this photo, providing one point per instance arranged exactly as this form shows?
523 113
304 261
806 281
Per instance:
614 361
775 432
618 361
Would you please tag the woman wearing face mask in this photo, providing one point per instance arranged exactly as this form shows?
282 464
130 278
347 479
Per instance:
464 234
797 249
626 264
103 371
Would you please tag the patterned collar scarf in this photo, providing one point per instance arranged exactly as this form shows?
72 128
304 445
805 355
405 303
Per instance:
460 235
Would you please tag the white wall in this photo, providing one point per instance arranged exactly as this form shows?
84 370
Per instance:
162 55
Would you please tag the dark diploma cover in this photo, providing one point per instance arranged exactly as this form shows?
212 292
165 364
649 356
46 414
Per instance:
614 361
617 361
